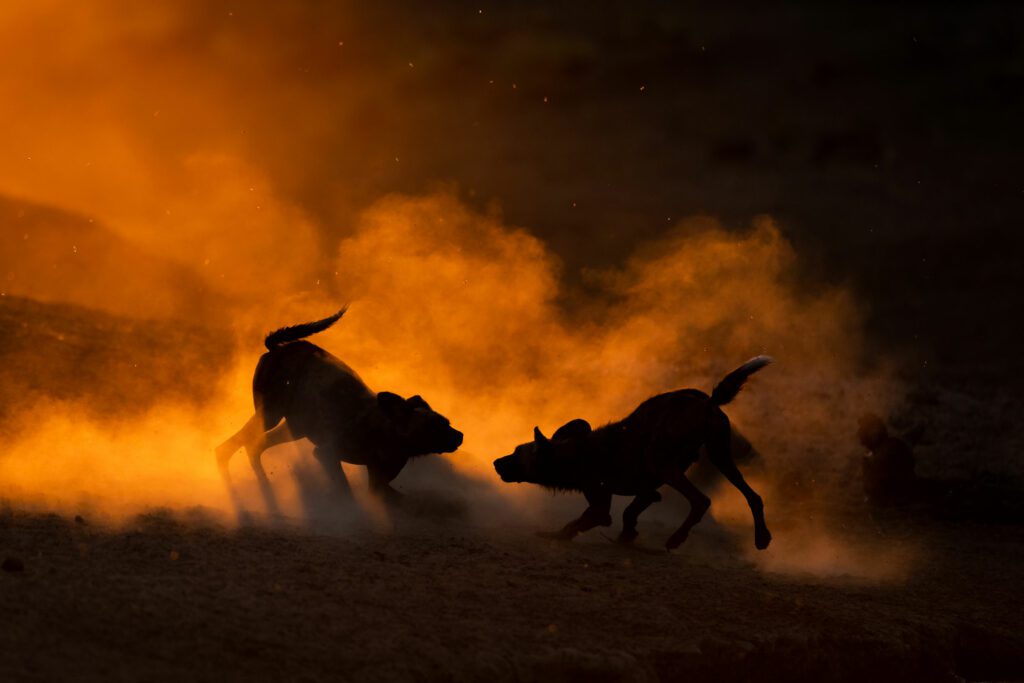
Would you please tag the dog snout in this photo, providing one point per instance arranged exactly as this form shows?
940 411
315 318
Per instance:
506 468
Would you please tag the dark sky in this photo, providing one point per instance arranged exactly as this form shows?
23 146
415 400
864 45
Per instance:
885 141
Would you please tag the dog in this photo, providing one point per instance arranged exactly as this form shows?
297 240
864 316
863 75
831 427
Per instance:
301 390
652 447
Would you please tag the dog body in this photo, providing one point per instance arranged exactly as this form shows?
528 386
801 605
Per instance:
302 391
652 447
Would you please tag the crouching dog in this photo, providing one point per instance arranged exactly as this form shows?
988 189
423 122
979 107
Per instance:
300 390
652 447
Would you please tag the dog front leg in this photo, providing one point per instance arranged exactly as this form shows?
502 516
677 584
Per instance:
381 475
598 513
330 460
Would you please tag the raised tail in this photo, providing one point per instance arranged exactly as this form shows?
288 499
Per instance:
297 332
731 384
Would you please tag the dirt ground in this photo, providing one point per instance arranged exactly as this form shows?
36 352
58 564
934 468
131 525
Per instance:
172 597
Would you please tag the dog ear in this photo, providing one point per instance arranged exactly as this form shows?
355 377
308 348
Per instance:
394 406
572 429
539 437
418 402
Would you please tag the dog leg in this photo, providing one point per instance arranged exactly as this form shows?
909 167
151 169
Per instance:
598 513
380 477
699 504
255 447
330 461
249 431
720 456
632 513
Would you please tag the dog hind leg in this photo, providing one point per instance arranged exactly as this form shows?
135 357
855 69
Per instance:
632 513
250 430
699 504
720 455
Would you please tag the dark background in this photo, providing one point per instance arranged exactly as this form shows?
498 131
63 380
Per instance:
886 140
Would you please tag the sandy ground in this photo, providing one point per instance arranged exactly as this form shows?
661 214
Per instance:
170 597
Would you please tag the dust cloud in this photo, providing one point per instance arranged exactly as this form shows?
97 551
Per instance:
198 172
472 314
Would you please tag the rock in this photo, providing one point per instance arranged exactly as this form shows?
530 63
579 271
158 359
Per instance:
13 564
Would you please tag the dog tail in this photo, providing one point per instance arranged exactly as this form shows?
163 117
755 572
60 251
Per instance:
731 384
296 332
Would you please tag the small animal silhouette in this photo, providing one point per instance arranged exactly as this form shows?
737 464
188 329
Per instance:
300 390
654 446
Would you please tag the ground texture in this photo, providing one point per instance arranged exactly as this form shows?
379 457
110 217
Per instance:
169 598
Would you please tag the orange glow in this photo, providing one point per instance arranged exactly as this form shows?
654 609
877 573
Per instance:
190 155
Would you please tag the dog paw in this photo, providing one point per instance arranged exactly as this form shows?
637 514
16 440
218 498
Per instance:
627 537
676 540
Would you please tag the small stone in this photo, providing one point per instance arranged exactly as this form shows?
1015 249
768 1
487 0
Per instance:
13 564
79 519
